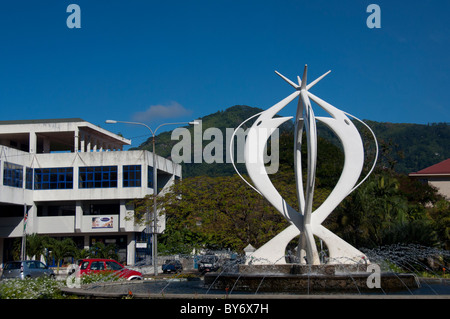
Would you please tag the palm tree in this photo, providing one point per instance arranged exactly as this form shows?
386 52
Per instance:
371 211
82 253
61 248
100 250
35 246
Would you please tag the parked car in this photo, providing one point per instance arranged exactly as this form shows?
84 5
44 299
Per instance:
26 269
208 263
171 265
97 265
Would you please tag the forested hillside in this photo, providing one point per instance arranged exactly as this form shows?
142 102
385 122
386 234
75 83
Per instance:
404 147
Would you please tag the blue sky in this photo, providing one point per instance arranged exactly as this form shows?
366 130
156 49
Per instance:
166 61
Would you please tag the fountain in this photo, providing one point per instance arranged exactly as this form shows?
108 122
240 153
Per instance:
238 278
346 267
311 279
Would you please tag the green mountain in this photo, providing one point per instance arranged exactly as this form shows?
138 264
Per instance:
226 121
413 146
404 147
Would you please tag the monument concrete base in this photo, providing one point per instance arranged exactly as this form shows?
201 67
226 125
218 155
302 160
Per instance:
295 278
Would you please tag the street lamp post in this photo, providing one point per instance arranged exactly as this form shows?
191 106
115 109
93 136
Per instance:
155 187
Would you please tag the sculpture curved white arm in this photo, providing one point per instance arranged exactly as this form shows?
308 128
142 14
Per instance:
305 223
353 160
254 159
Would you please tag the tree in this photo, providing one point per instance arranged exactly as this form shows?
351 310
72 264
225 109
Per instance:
440 217
35 245
418 192
17 245
420 232
379 213
82 253
61 248
219 213
206 212
100 250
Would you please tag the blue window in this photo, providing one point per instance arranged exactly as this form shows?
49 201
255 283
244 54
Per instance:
29 178
150 177
131 175
53 178
98 177
13 175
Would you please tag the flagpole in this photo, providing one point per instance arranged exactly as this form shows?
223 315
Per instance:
23 254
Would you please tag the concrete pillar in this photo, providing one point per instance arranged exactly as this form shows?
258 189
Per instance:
82 142
32 220
76 141
1 250
122 215
88 143
76 176
86 241
2 164
131 249
78 216
33 143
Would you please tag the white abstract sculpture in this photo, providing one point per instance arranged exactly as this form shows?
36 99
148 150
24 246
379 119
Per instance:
305 222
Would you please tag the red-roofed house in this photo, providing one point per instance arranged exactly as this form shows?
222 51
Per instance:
437 175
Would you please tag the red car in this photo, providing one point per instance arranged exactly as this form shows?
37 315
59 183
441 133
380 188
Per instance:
95 265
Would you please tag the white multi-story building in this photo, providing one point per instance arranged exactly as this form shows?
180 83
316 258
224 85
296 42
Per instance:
70 178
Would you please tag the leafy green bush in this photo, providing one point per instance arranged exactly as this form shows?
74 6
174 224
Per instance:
99 277
35 288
